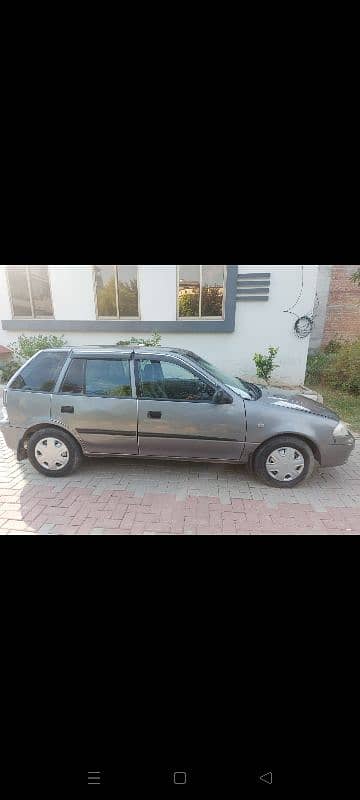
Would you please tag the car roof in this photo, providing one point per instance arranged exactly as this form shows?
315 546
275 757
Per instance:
115 350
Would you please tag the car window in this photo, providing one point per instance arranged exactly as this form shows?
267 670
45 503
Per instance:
73 382
167 380
41 374
108 378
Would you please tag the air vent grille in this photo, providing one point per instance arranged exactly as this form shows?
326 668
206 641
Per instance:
253 287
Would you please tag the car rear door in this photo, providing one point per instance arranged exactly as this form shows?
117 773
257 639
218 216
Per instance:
177 415
97 403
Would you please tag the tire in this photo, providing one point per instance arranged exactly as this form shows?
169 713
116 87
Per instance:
59 465
275 468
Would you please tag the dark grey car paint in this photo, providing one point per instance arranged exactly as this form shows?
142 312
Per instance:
195 431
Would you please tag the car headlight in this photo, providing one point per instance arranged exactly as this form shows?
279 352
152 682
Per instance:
341 431
4 415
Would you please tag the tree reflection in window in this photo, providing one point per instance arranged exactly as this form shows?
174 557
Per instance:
201 291
117 291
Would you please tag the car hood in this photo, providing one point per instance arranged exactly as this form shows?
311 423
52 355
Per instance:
297 402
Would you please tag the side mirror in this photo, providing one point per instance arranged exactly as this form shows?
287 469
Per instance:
220 398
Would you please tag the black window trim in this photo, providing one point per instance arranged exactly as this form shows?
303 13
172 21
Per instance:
94 357
182 363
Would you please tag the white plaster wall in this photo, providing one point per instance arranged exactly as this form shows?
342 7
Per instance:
5 305
258 325
72 289
157 287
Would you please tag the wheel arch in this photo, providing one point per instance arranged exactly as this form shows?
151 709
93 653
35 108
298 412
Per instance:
284 434
40 425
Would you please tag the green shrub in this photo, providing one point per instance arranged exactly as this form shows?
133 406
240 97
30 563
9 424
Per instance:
265 365
337 367
343 369
333 347
8 371
317 362
27 346
154 341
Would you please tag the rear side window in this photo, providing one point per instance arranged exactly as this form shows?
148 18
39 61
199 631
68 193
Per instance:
41 374
73 382
108 378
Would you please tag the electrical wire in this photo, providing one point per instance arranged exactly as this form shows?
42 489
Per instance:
290 310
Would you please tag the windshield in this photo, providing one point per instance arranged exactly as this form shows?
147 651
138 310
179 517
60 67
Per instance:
228 380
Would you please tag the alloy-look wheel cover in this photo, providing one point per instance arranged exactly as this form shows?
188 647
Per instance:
285 464
52 454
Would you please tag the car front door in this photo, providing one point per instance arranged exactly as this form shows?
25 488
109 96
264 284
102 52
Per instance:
96 403
178 417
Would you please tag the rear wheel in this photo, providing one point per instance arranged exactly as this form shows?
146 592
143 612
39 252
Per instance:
53 452
284 462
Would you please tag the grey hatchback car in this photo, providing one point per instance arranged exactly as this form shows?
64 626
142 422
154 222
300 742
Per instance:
163 403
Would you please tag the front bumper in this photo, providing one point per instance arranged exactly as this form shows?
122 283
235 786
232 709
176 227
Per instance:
334 455
13 436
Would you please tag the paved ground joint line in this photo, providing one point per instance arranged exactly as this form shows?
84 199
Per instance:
107 497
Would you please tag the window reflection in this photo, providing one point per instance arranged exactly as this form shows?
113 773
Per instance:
117 290
201 291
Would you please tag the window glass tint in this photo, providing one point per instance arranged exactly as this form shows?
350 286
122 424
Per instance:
165 380
19 290
212 295
106 290
128 291
74 379
40 291
41 374
189 290
108 378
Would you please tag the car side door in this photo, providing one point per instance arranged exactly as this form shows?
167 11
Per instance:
178 417
97 403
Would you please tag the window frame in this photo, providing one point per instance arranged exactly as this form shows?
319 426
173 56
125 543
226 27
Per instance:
97 357
28 280
64 376
200 318
118 317
27 364
158 358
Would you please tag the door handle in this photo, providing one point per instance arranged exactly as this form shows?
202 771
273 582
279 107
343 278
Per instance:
154 414
67 409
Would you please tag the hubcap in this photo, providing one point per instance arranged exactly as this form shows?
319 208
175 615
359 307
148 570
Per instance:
285 464
52 454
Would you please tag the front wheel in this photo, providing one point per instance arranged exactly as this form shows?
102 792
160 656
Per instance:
53 452
284 462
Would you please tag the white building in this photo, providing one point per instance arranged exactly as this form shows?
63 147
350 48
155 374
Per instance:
226 313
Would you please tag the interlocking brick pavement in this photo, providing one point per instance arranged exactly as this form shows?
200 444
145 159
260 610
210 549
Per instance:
132 497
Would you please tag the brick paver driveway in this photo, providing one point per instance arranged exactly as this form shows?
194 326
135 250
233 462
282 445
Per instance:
147 497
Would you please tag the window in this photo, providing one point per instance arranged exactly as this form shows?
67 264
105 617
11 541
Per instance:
41 374
201 291
117 293
73 382
166 380
108 378
30 291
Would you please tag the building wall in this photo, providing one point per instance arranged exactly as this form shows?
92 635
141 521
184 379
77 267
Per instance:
343 309
257 324
338 314
323 290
